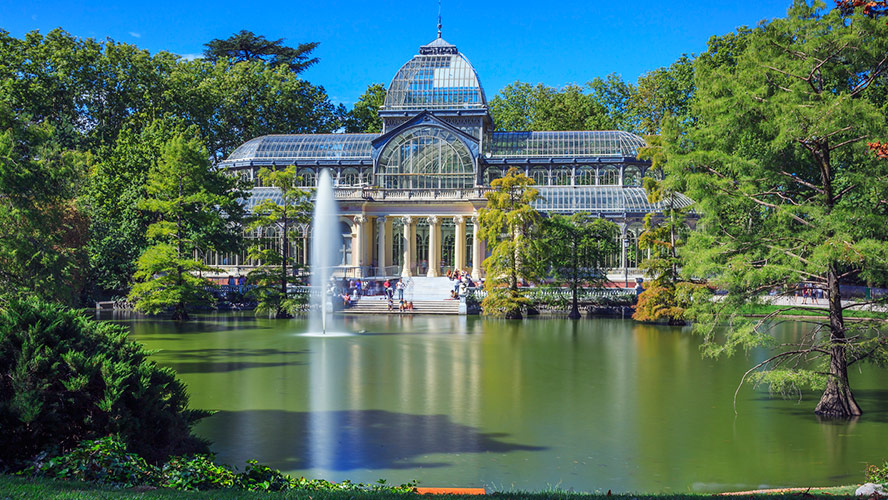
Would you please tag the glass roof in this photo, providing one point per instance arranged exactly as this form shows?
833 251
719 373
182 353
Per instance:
570 144
439 77
305 147
607 199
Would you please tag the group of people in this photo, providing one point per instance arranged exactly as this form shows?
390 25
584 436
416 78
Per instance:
461 282
403 305
807 291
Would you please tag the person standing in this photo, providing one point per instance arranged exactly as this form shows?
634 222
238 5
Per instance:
400 288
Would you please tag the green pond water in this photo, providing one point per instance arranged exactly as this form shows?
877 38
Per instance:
590 405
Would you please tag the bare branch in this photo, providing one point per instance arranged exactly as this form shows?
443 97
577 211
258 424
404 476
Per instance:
772 359
849 141
802 181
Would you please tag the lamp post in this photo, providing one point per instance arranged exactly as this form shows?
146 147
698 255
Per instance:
626 261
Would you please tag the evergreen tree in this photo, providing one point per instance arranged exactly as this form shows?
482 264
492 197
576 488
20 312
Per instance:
194 205
247 46
509 225
283 217
778 166
576 249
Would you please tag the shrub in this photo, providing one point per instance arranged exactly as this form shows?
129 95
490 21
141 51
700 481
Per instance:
103 461
197 472
65 378
876 474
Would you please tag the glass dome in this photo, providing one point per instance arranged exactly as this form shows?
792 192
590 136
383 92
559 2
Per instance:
439 77
425 157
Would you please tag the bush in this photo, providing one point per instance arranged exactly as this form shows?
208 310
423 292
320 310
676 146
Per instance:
103 461
876 474
65 378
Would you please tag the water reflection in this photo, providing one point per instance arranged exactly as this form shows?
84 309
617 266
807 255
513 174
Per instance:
465 401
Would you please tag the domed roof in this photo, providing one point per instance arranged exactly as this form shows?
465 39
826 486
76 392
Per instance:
439 77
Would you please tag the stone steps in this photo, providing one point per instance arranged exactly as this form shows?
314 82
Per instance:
376 305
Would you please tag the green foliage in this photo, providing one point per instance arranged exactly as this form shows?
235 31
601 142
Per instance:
778 165
271 279
44 229
103 461
106 461
876 474
364 115
65 378
195 207
576 249
247 46
510 226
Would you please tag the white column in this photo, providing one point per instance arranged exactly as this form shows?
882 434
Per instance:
434 246
358 247
381 250
624 247
459 242
476 248
410 236
389 237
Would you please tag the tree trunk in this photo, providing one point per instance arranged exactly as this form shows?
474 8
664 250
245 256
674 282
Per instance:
575 306
281 313
837 399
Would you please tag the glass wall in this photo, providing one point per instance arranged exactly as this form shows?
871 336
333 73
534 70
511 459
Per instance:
425 158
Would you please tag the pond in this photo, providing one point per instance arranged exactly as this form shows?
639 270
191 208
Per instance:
591 405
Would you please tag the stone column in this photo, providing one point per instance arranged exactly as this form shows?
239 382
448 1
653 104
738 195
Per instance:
305 243
410 236
476 248
459 242
381 250
434 247
358 247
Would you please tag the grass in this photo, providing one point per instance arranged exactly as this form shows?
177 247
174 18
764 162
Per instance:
763 310
24 488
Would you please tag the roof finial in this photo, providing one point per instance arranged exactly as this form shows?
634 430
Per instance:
439 18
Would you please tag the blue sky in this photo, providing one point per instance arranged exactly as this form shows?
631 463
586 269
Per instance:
365 42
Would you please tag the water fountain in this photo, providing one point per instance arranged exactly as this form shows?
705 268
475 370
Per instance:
325 243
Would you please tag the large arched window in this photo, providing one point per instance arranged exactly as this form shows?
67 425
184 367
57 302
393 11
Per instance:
426 157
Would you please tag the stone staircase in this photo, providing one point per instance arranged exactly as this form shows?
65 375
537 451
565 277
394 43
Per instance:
429 296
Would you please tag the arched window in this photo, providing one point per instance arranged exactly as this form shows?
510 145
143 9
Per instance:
608 176
540 176
306 178
561 176
425 157
350 177
632 176
585 176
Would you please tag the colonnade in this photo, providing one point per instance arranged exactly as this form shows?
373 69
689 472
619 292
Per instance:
381 234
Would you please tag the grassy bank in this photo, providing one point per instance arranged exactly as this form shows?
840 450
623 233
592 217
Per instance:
49 489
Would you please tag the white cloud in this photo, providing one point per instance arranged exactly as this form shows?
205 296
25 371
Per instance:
191 57
135 35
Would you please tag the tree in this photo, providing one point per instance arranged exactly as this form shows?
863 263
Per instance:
576 249
509 225
294 208
247 46
789 193
195 205
364 116
65 378
44 228
664 92
667 296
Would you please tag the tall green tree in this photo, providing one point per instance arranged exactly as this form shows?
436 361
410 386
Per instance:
44 228
577 247
664 92
779 167
510 226
364 116
284 217
194 205
248 46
